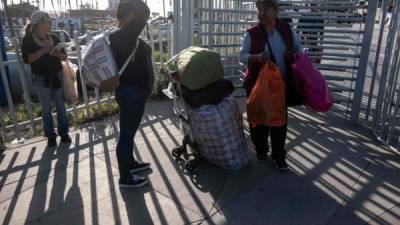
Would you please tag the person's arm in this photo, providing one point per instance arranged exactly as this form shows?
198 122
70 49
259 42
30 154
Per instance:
58 52
245 56
28 56
38 54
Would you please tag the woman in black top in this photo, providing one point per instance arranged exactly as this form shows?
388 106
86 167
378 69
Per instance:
135 86
40 51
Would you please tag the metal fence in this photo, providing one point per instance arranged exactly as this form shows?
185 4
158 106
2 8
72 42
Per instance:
383 102
340 39
21 118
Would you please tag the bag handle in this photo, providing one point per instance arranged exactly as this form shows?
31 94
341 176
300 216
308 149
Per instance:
271 55
131 57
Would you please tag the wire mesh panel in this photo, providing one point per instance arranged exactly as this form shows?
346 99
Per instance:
333 31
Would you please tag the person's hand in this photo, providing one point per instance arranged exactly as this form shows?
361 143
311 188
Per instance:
46 49
57 53
262 58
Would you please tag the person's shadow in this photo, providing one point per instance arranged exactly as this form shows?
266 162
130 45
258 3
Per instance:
135 202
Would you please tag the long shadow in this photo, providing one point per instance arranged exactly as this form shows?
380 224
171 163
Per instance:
134 199
332 172
93 186
38 201
135 205
167 182
101 135
10 165
348 171
326 162
60 178
14 200
73 200
198 177
58 206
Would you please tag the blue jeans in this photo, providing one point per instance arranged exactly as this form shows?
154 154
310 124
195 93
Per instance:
131 102
46 96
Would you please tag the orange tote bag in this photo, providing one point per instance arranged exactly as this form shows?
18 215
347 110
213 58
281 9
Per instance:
266 104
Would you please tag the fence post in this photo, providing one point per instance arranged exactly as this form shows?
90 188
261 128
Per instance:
83 83
384 7
385 70
176 20
364 55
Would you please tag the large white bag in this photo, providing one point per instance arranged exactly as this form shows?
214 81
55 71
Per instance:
99 65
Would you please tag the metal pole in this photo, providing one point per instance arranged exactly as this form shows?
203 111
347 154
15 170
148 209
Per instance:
2 139
378 52
20 69
163 2
147 26
385 70
361 74
83 83
176 27
11 107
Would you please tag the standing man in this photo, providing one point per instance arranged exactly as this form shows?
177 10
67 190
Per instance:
135 85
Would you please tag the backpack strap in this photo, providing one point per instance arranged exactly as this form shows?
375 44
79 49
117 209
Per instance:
130 58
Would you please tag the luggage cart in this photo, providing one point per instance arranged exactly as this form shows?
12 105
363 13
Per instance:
189 150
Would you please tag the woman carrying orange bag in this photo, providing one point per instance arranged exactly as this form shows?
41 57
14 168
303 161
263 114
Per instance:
261 81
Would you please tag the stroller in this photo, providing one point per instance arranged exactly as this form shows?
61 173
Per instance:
190 155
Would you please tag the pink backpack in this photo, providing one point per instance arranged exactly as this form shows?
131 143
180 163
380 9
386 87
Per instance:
311 84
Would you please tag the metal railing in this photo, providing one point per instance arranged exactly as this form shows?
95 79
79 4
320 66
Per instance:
343 38
384 91
17 127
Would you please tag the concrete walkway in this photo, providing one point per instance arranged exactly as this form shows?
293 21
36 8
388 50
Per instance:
338 176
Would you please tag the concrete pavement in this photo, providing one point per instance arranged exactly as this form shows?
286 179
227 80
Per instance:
339 175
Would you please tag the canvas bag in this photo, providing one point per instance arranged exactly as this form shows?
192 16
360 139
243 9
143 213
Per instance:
218 130
69 82
197 67
99 67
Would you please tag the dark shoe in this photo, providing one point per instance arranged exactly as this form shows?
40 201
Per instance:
280 164
133 181
51 142
66 139
140 166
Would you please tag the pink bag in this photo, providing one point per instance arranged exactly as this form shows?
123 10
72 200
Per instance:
311 84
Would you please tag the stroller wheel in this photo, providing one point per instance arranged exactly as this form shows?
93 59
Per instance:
191 164
177 152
